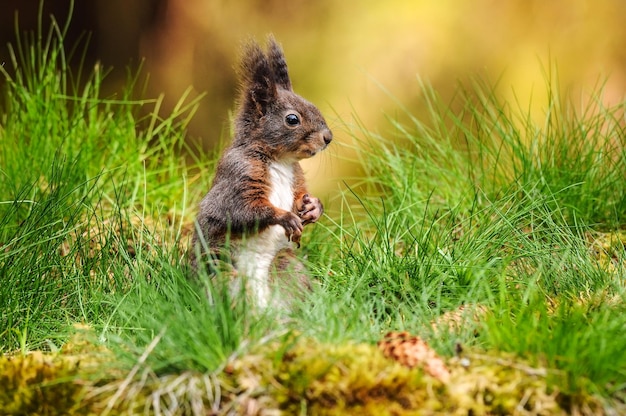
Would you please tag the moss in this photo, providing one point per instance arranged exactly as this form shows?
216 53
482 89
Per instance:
500 386
306 377
37 383
352 379
357 379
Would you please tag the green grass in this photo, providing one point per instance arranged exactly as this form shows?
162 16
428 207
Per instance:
76 171
480 206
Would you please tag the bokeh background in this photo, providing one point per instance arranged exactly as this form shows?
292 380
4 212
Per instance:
343 55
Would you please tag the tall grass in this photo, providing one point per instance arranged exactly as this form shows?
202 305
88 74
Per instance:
503 221
77 173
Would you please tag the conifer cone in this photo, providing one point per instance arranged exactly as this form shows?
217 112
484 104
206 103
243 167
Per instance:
412 351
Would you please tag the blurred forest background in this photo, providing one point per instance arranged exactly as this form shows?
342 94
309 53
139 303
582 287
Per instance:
341 53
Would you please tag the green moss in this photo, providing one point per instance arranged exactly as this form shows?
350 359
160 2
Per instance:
353 379
334 380
305 378
40 383
37 383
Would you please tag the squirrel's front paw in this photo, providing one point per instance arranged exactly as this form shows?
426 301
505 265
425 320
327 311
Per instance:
310 209
292 225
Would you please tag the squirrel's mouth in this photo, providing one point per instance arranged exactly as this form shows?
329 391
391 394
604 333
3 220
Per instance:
311 146
308 152
313 152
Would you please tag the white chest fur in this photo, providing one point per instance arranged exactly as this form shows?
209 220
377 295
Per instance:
258 252
281 179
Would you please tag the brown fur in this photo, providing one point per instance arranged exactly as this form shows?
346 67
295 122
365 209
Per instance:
238 203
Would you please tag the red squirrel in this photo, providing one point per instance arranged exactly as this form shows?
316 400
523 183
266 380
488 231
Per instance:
258 204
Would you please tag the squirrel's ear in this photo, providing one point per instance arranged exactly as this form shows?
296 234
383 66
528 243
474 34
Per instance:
278 64
259 87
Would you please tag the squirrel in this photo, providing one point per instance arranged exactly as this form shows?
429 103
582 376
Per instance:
258 204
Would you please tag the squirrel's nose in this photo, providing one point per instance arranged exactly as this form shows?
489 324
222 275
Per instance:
327 135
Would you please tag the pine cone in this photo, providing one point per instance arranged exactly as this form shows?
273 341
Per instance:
412 351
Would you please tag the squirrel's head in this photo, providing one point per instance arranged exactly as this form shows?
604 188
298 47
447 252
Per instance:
271 114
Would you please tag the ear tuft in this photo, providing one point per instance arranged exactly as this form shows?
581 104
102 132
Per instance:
258 85
278 63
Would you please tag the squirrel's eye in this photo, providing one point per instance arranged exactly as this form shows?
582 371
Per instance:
292 120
